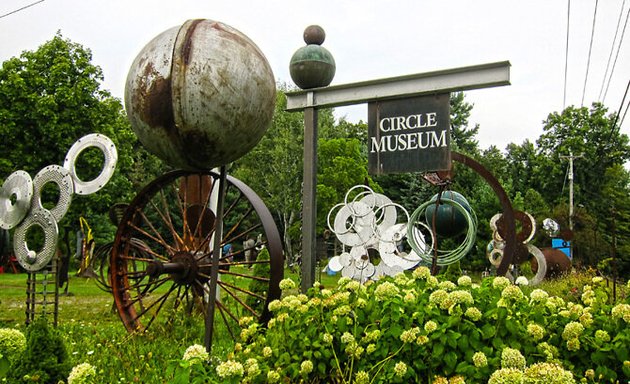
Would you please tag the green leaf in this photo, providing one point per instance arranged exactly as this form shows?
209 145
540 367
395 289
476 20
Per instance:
438 349
488 331
4 366
462 343
451 360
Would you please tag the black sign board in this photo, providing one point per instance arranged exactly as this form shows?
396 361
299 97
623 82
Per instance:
409 135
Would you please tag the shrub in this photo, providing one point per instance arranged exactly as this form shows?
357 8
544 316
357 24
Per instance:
12 343
439 331
44 360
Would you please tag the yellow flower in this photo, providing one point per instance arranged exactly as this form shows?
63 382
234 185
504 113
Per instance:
306 367
400 369
480 360
512 358
430 326
286 284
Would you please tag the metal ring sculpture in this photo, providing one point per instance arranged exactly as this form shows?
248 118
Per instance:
15 199
496 246
107 147
21 201
368 221
162 255
444 257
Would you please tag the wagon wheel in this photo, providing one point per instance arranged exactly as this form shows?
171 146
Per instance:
162 255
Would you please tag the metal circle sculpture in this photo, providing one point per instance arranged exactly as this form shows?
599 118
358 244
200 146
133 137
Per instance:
369 221
59 176
162 255
200 95
21 202
420 218
107 147
15 199
496 246
29 259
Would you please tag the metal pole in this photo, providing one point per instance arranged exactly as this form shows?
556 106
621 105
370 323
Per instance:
309 192
216 255
571 191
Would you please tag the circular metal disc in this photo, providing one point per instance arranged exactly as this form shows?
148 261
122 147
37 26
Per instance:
542 264
60 176
29 261
348 271
389 252
387 212
334 264
15 199
361 231
111 157
345 259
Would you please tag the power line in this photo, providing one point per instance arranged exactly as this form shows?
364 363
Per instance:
612 49
590 48
20 9
566 56
624 114
617 54
614 126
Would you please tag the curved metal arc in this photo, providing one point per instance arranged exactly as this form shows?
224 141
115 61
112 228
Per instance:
506 204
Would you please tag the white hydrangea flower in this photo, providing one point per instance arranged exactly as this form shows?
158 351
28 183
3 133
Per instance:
230 368
512 358
521 280
196 351
400 369
306 367
464 281
83 373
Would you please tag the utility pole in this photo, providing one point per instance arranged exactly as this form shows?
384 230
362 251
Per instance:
571 158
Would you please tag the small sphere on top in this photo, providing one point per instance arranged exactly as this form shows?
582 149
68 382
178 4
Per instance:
314 34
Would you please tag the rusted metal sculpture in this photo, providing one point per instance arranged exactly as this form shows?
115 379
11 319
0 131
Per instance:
198 96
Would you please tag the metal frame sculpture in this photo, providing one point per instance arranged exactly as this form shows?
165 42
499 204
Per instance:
198 96
21 208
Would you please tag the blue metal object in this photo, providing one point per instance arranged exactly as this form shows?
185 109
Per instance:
562 245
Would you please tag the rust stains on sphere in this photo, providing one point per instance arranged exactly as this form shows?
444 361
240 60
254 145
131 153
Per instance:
200 95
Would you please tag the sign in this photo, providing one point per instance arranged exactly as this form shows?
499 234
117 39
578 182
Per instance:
409 135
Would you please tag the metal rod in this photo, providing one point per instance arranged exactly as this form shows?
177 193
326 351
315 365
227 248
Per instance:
448 80
309 204
216 255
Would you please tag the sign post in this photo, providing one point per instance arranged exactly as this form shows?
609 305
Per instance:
435 85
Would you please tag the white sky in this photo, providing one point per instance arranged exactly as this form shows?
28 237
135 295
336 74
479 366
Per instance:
370 40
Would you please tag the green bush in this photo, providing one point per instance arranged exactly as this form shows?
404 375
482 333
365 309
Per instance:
256 286
44 360
415 328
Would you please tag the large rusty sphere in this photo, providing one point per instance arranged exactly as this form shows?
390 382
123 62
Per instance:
200 95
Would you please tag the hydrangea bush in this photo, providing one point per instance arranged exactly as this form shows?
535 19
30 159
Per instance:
416 328
84 373
12 344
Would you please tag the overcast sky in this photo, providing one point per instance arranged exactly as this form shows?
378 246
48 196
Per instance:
370 40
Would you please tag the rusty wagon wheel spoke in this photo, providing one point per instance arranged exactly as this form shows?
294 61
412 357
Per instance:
161 259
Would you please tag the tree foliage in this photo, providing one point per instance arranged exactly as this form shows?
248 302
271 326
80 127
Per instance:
51 97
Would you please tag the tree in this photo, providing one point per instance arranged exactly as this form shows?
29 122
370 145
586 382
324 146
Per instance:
342 165
49 98
580 131
274 168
